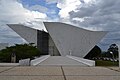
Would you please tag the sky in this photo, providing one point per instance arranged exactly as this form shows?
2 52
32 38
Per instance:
96 15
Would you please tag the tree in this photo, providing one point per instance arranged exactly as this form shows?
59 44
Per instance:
22 51
114 49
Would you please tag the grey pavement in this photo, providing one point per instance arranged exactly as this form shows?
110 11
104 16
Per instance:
59 73
60 61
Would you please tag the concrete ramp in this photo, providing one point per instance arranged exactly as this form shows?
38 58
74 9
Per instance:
60 61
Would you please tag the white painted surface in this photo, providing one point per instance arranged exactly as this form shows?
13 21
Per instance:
3 45
71 38
39 60
29 34
84 61
24 62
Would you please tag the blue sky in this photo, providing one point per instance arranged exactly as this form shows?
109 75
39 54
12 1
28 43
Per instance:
51 7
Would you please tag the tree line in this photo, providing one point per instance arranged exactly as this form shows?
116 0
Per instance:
21 51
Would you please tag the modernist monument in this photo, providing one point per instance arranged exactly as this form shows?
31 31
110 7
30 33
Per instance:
61 39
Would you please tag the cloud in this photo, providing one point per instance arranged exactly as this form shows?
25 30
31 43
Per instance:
67 6
51 1
12 11
103 14
38 8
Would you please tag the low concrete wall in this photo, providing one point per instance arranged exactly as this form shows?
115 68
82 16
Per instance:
39 60
24 62
84 61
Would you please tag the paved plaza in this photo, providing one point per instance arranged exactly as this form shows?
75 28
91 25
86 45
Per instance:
59 73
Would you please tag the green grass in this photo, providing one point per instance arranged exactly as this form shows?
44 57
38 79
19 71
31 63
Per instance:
106 63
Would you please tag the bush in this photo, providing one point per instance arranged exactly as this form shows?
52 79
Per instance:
106 63
22 51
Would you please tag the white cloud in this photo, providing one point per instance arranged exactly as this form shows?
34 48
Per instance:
67 6
51 1
89 1
12 11
101 14
38 8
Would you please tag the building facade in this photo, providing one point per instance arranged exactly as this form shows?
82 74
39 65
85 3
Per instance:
61 39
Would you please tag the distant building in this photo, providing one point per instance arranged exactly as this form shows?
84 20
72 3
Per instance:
61 39
3 45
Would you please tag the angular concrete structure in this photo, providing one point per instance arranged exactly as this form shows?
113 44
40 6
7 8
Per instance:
29 34
61 39
41 38
72 40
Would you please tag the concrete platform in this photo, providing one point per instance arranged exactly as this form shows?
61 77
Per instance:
60 61
58 73
33 71
93 77
31 78
89 71
115 68
2 69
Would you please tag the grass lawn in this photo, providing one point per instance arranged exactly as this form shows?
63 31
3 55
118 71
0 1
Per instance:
106 63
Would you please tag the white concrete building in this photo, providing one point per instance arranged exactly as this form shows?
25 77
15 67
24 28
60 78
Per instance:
72 40
62 39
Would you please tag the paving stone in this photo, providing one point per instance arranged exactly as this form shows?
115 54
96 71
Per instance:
55 73
93 77
34 71
89 71
4 68
31 78
115 68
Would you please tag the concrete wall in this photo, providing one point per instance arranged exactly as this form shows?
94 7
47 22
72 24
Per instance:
3 45
53 51
29 34
73 40
84 61
24 62
37 61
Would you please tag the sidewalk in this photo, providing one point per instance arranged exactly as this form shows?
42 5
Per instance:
58 73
